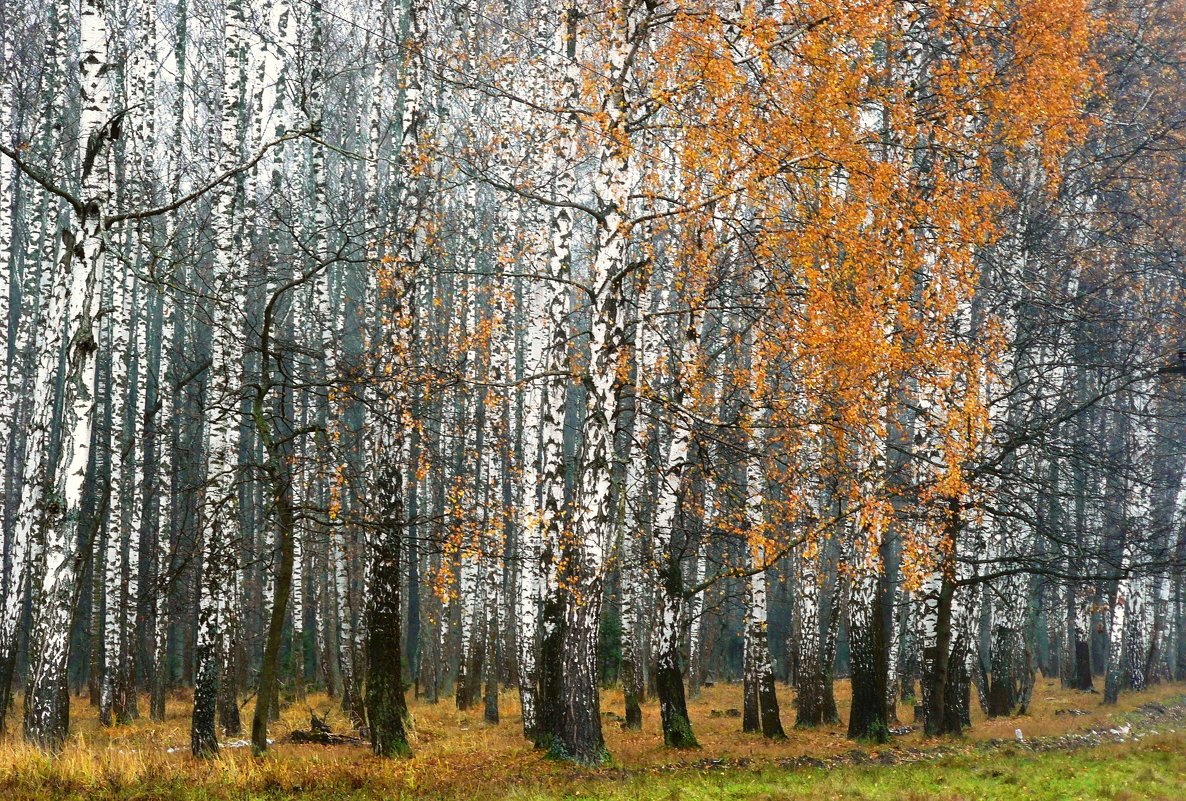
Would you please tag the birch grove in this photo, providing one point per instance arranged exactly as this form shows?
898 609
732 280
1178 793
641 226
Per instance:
502 355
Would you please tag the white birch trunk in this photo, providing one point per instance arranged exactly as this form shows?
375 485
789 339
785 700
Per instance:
1114 668
162 509
646 361
116 527
136 494
220 540
669 598
8 265
809 700
71 310
527 601
552 467
580 730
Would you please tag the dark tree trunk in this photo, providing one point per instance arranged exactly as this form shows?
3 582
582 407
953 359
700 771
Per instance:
490 697
768 703
633 687
957 706
669 678
428 677
468 689
959 685
98 595
267 700
673 705
579 737
325 623
868 718
7 668
552 623
632 690
811 705
937 719
751 717
1002 691
157 693
1081 678
386 707
228 691
203 727
839 604
811 676
412 637
126 708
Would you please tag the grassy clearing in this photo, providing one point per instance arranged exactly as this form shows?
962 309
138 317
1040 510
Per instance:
1153 769
457 756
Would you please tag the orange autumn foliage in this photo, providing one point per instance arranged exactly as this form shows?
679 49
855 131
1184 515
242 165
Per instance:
843 161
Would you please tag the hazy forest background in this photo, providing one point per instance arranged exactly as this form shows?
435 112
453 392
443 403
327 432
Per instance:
396 391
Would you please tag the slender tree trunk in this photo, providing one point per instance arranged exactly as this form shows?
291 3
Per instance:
9 384
279 475
760 678
1114 672
810 704
163 511
553 615
527 600
386 706
215 642
633 500
112 699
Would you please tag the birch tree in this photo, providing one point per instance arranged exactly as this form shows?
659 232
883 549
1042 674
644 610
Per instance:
50 504
219 540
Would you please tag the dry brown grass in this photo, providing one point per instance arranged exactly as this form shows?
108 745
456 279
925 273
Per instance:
456 754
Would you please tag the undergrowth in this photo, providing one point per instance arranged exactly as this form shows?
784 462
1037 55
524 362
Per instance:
457 756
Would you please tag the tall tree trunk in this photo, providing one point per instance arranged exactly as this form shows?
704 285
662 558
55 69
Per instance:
527 600
164 512
553 614
386 706
759 677
215 626
112 695
633 507
279 474
55 506
757 654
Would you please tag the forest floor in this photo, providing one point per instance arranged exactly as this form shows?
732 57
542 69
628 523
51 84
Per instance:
1073 748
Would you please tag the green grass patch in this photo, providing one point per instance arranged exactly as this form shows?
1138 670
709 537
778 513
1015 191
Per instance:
1153 769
